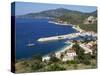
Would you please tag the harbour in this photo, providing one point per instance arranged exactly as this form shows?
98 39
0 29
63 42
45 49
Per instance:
27 36
68 36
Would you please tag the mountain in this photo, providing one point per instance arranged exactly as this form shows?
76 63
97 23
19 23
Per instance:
56 13
51 13
66 16
94 13
73 17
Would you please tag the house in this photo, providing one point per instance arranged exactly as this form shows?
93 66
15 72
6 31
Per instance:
69 55
86 48
46 58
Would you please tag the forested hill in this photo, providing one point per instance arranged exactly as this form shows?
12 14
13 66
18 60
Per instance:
54 13
67 16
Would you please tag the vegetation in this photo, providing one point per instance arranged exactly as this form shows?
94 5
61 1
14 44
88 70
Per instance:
65 15
71 18
89 27
77 19
81 61
85 58
54 59
84 61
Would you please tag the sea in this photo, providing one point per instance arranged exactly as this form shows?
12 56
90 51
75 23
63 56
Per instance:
29 30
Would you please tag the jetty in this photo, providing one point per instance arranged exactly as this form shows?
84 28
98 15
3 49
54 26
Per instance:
59 37
80 32
67 36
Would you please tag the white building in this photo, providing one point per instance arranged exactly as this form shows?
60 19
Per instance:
46 58
69 55
86 48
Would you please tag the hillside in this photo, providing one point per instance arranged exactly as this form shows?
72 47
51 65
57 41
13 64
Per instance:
50 13
65 15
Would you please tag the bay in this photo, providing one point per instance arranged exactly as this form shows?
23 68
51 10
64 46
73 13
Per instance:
28 30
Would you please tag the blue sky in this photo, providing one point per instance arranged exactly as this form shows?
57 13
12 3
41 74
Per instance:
27 7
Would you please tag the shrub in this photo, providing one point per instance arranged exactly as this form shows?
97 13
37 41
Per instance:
75 66
55 67
71 62
37 57
54 59
79 51
87 58
36 65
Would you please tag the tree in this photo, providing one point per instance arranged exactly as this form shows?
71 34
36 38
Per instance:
79 51
54 59
87 58
81 56
94 52
62 55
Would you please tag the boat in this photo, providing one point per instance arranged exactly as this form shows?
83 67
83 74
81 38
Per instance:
30 44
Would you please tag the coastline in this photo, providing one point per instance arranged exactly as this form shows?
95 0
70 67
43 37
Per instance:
65 48
58 52
78 28
81 32
60 37
65 24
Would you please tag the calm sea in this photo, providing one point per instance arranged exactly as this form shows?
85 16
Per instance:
29 30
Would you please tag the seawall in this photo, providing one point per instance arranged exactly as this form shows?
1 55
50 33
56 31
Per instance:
67 36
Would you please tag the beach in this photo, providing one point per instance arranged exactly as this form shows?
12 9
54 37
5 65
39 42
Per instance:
58 52
76 27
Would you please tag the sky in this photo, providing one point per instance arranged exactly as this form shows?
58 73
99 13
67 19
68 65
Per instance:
22 8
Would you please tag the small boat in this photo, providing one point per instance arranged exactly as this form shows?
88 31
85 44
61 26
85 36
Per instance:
30 44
